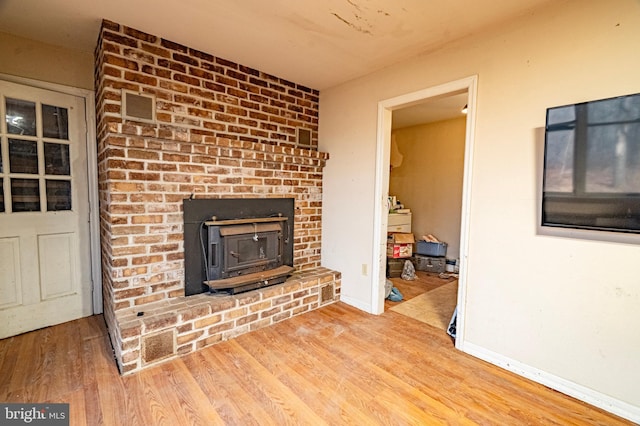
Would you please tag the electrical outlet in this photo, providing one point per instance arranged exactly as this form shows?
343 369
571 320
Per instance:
364 269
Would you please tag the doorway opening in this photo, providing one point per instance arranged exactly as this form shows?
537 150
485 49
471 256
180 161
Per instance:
441 103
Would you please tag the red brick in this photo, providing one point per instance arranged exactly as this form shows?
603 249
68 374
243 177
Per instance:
155 50
120 62
140 78
119 39
201 55
148 299
128 293
145 260
186 79
174 46
189 150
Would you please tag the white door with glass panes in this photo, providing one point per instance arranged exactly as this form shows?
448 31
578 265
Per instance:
45 270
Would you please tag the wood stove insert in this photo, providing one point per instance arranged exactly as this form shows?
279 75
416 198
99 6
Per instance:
235 245
243 254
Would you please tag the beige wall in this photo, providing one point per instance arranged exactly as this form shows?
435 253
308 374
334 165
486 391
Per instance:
22 57
562 307
429 180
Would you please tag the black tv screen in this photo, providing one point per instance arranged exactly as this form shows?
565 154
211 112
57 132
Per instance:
592 165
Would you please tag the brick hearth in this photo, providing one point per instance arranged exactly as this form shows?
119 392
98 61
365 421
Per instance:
162 330
221 130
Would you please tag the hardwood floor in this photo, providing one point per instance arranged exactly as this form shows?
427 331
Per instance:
424 282
336 365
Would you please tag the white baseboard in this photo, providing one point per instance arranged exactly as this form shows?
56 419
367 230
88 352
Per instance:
582 393
356 303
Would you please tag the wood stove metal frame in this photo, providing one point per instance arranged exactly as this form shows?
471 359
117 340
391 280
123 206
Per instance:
197 211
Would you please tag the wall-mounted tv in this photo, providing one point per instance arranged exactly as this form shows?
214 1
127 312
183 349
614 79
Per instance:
592 165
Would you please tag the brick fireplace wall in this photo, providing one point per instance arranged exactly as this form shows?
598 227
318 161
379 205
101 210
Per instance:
221 130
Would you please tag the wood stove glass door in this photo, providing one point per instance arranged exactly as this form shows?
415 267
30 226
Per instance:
251 252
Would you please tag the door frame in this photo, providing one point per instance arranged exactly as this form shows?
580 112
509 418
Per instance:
92 173
381 189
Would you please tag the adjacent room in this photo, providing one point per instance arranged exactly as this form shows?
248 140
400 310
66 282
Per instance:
426 175
207 209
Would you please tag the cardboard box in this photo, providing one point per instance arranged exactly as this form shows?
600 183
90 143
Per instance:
400 245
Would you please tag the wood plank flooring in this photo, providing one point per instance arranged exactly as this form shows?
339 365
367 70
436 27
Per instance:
424 282
333 366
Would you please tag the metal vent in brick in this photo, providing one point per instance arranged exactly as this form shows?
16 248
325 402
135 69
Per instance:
304 137
138 107
326 293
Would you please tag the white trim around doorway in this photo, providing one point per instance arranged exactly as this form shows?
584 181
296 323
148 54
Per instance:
383 146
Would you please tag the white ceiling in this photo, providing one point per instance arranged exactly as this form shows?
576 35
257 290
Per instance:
432 109
316 43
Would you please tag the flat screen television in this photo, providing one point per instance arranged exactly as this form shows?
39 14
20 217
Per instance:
592 165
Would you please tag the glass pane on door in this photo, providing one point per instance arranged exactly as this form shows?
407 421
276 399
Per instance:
55 122
20 117
23 156
56 159
25 195
58 195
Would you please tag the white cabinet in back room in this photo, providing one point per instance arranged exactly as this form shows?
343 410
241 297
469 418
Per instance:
399 222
